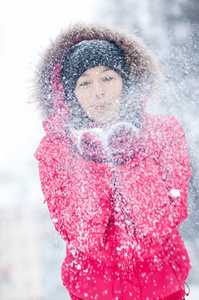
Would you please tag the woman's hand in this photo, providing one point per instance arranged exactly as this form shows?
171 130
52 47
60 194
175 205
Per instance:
91 144
93 148
122 142
116 145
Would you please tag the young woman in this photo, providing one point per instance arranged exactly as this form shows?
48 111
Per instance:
115 178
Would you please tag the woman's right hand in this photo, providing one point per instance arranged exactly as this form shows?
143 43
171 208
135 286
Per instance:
91 146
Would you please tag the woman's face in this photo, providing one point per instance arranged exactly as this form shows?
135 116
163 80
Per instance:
99 92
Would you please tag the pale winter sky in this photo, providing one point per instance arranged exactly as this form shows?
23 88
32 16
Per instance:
26 28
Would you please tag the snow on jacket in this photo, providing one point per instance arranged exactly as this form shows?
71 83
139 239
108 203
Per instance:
120 222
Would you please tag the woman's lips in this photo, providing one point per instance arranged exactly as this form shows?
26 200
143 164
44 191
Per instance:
101 106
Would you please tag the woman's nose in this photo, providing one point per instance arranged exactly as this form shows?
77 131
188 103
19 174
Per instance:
99 91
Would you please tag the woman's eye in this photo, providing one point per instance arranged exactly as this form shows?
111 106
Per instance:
109 78
84 83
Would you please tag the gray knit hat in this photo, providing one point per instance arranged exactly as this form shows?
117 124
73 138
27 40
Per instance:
88 54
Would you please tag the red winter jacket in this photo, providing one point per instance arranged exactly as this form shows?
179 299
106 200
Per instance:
119 222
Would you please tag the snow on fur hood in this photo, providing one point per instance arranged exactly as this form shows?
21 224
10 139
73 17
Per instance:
143 64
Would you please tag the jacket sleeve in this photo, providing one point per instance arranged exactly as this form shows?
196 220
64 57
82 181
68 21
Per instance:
174 169
155 186
77 195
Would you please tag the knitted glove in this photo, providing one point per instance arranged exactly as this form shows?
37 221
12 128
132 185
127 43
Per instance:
91 145
123 141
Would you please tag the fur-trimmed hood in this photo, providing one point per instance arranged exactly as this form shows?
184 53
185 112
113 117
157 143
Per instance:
143 64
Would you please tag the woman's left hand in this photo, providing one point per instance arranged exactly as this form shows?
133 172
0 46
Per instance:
122 142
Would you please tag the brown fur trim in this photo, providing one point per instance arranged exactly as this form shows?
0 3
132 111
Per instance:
144 65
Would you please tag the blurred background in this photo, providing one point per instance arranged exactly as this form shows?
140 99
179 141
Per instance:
31 252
